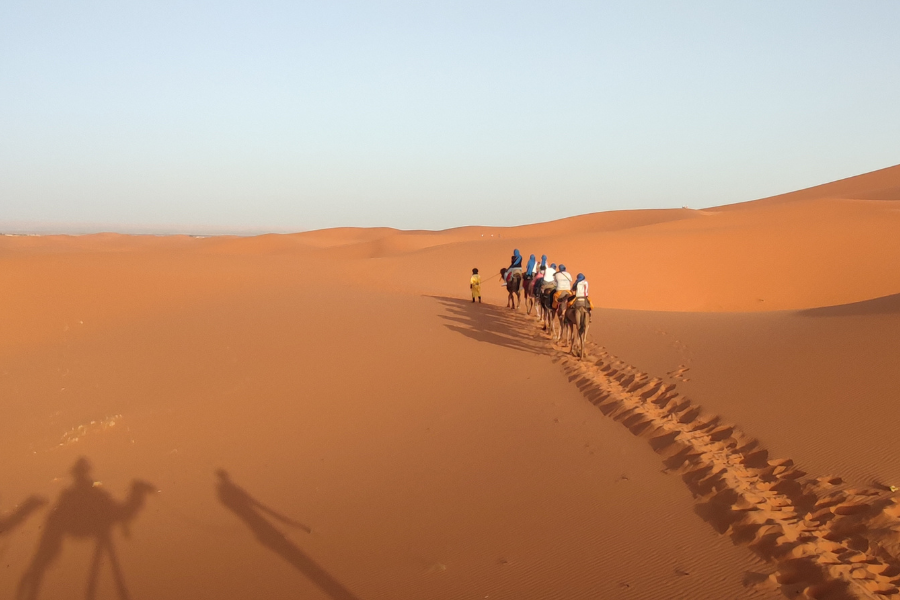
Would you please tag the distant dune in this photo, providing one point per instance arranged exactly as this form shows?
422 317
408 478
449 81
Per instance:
328 415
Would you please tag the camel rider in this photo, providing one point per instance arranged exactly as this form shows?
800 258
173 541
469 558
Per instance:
539 276
515 266
548 282
582 297
563 281
531 268
543 261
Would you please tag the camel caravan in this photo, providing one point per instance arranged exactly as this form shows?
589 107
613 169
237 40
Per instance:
561 302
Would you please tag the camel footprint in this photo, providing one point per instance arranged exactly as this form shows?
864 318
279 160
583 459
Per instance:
679 373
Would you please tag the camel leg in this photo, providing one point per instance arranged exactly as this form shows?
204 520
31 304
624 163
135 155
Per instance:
584 330
95 571
117 571
48 551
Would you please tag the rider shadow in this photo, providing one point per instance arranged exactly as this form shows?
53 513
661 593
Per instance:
489 324
84 510
250 511
12 521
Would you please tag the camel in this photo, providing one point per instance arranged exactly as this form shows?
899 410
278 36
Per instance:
513 288
529 286
558 316
554 317
546 312
84 510
576 323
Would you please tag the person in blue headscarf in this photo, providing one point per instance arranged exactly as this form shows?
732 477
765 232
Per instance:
515 267
581 286
531 267
516 260
563 281
582 292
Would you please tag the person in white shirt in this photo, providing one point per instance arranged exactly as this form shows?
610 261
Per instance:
549 272
563 282
562 279
581 287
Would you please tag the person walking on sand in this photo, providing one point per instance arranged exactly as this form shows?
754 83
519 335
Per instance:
475 285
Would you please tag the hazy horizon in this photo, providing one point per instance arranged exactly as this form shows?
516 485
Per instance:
12 228
230 117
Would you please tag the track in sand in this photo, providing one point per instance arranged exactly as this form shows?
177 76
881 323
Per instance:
825 541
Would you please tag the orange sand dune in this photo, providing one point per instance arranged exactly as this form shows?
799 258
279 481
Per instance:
259 434
883 184
381 421
814 251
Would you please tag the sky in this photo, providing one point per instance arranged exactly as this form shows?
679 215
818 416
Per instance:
260 116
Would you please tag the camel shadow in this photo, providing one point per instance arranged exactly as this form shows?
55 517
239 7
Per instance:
251 511
489 324
84 510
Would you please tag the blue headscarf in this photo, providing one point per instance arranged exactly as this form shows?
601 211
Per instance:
553 266
543 260
516 260
579 278
562 268
531 263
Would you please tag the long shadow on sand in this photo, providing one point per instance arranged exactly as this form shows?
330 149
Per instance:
9 523
495 325
250 511
84 510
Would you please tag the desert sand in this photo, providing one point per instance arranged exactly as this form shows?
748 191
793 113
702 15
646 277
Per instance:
327 415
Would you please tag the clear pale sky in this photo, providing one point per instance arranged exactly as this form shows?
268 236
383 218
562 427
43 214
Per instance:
276 116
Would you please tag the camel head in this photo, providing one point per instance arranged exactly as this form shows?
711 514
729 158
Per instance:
134 503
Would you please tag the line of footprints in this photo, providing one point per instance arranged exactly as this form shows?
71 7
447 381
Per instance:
826 541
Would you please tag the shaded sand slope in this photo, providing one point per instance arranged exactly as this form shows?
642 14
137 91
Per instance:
433 447
819 386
